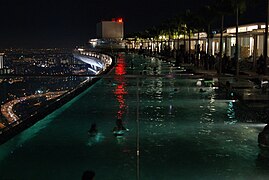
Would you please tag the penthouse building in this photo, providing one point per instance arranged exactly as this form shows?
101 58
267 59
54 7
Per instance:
113 29
109 34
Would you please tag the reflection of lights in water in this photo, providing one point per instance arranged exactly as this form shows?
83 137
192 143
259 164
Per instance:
212 99
120 92
95 139
231 114
170 76
260 125
199 83
120 68
170 109
120 88
230 111
120 139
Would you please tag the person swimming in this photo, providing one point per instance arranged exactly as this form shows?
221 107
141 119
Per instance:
119 125
119 129
263 137
93 130
202 90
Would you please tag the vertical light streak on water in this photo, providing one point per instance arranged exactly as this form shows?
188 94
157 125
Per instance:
138 132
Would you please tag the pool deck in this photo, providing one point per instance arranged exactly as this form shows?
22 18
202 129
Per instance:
254 97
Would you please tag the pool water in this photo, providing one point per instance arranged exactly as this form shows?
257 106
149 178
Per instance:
174 132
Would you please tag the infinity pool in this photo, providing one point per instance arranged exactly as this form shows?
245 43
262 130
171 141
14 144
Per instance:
175 132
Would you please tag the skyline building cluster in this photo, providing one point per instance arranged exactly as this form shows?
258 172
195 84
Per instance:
1 60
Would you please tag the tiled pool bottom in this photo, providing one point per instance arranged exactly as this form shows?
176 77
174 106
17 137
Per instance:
179 132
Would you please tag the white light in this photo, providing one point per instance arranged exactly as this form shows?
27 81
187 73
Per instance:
80 49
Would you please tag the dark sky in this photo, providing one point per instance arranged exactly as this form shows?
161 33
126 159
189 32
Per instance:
58 23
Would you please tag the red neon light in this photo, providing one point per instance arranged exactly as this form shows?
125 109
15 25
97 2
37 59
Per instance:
120 20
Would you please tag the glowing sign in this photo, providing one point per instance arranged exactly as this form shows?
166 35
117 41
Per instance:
120 20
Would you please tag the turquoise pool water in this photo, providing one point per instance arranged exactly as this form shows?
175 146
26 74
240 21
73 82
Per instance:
175 132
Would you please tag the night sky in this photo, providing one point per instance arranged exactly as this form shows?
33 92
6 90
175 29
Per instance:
58 23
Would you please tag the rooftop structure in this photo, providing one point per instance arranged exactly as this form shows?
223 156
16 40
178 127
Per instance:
98 62
110 29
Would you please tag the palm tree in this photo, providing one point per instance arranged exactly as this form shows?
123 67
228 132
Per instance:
199 27
207 15
239 6
188 18
223 8
178 27
198 23
265 48
175 24
192 24
163 31
182 20
172 27
152 35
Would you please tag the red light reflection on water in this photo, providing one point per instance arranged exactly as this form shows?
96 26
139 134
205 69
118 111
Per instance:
120 90
120 68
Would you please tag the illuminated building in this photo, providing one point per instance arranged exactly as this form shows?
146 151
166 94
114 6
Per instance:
3 70
1 60
109 34
250 43
98 62
110 29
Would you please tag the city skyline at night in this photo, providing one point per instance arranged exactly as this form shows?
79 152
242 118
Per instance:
134 90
